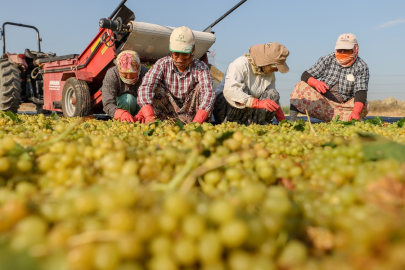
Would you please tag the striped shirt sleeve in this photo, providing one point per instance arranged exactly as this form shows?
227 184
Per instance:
149 83
206 88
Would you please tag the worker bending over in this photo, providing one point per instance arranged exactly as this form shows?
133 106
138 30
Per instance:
178 86
120 87
247 94
335 85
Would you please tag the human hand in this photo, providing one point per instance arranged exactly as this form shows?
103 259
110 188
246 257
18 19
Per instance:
280 115
148 113
355 114
267 104
139 117
123 115
321 87
200 116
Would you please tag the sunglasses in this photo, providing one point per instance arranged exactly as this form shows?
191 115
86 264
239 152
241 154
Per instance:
347 51
182 55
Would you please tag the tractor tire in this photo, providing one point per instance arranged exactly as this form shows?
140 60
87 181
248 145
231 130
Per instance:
76 98
10 87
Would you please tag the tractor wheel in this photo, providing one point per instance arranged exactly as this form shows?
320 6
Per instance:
75 98
10 86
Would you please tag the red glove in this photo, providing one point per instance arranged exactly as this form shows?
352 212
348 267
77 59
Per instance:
200 116
139 118
148 113
123 115
267 104
358 107
280 115
321 87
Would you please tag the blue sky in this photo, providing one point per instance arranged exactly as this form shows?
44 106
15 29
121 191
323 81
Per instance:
309 29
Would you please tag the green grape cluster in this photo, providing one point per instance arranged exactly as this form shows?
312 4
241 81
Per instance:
89 194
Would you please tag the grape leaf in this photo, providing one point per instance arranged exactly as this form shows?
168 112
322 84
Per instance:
336 119
375 121
224 136
377 147
401 122
179 124
199 129
297 125
11 116
285 121
55 116
149 132
157 122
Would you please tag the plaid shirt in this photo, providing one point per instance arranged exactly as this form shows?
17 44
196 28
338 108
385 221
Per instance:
164 71
328 70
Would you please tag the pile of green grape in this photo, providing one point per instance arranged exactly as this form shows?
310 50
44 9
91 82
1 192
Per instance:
80 194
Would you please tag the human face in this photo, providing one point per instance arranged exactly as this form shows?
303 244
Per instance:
130 76
182 60
345 51
269 69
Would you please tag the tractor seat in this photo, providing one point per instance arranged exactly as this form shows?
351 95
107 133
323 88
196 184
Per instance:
45 57
56 58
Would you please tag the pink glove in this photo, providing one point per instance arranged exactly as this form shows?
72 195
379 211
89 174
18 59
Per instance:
321 87
139 118
280 115
123 115
148 113
358 107
200 116
267 104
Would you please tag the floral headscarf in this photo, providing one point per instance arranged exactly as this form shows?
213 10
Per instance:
346 60
128 62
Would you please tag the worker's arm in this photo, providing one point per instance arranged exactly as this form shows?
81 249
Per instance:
206 87
235 78
110 89
361 85
147 89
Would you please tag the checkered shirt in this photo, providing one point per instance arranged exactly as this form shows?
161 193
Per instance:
328 70
164 71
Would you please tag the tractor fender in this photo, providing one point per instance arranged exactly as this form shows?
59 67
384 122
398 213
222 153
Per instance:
80 75
15 58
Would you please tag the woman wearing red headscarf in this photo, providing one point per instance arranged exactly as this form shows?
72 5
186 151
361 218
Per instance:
335 85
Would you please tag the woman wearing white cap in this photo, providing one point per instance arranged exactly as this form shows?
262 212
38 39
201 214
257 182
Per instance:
177 86
247 94
335 85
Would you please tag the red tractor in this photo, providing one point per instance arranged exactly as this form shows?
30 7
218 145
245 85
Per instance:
71 83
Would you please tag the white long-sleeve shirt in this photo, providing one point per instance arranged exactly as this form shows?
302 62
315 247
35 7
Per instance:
240 85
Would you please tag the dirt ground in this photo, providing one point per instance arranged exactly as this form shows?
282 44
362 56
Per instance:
27 107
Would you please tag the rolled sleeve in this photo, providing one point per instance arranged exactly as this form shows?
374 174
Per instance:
109 90
207 89
149 83
234 85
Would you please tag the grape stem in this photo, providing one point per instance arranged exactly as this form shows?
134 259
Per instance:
207 166
94 236
179 177
60 136
310 125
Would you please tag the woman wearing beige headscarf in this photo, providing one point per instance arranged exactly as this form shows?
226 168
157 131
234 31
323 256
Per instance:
247 93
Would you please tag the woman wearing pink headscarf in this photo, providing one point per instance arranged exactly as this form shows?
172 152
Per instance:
120 87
